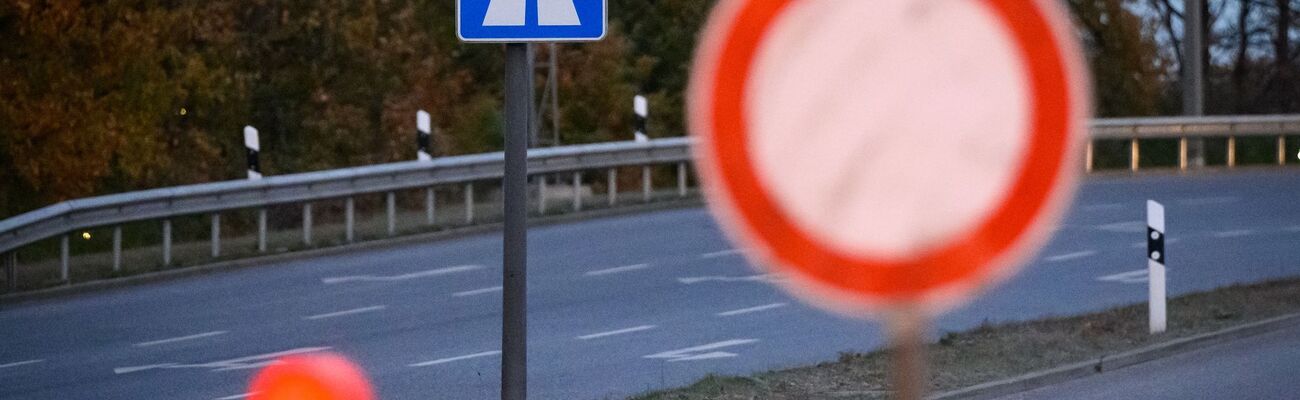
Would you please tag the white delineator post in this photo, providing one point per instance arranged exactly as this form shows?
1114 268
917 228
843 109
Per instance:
642 109
254 146
1156 265
424 130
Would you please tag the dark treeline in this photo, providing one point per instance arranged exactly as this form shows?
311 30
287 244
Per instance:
115 95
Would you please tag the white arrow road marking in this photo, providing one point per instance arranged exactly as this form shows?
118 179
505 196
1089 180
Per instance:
20 363
702 352
476 292
256 361
616 332
457 358
751 278
557 13
752 309
1070 256
1130 277
403 277
345 312
180 339
616 270
724 253
1232 234
505 13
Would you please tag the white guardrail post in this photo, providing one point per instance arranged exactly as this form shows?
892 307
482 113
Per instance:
306 224
390 200
216 235
349 219
645 184
1156 295
612 186
167 242
117 248
577 191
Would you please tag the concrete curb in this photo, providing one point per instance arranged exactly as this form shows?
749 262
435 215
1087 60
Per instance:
230 265
1114 362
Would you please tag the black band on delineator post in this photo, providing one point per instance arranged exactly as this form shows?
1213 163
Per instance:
1155 245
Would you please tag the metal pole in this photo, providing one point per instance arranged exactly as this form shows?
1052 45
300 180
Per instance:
1182 153
261 230
1194 71
681 179
1087 157
645 184
1135 157
306 224
613 186
555 94
1281 150
514 324
577 191
216 235
1232 151
469 203
391 199
349 219
541 194
906 333
167 242
430 204
117 248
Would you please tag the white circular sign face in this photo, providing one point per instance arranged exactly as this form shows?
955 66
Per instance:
892 141
888 153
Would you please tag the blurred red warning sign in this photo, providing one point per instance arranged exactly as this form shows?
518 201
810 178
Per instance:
889 152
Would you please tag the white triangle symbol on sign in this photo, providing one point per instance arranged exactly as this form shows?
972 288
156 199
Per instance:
514 12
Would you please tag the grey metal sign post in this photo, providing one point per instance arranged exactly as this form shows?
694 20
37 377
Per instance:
510 22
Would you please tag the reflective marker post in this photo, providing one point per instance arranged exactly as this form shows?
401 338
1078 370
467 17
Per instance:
514 324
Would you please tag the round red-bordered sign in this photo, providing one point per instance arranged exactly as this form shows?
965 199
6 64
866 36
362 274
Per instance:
933 277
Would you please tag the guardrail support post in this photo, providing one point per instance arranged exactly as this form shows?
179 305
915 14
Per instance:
1281 150
306 224
1135 156
390 199
541 194
216 235
612 186
63 258
681 179
1182 153
645 184
261 230
349 219
11 270
117 248
577 191
1087 157
430 212
167 242
469 203
1232 151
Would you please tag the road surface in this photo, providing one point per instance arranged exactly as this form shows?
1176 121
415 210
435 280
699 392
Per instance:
618 306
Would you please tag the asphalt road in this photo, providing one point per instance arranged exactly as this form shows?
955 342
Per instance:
617 306
1260 367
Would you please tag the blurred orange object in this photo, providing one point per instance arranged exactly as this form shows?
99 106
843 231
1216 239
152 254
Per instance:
312 377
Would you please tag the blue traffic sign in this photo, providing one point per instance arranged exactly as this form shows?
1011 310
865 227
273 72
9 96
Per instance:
503 21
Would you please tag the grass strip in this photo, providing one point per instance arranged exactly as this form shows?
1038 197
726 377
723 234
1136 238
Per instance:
999 351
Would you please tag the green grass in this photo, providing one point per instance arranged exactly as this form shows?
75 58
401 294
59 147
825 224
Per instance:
999 351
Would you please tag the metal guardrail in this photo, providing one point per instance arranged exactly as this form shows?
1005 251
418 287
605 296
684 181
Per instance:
213 198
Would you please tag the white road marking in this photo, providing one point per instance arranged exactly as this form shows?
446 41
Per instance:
751 278
1206 201
1234 233
477 291
1104 207
1070 256
345 312
616 332
403 277
237 397
752 309
724 253
181 339
702 352
256 361
1125 227
21 363
615 270
457 358
1130 277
